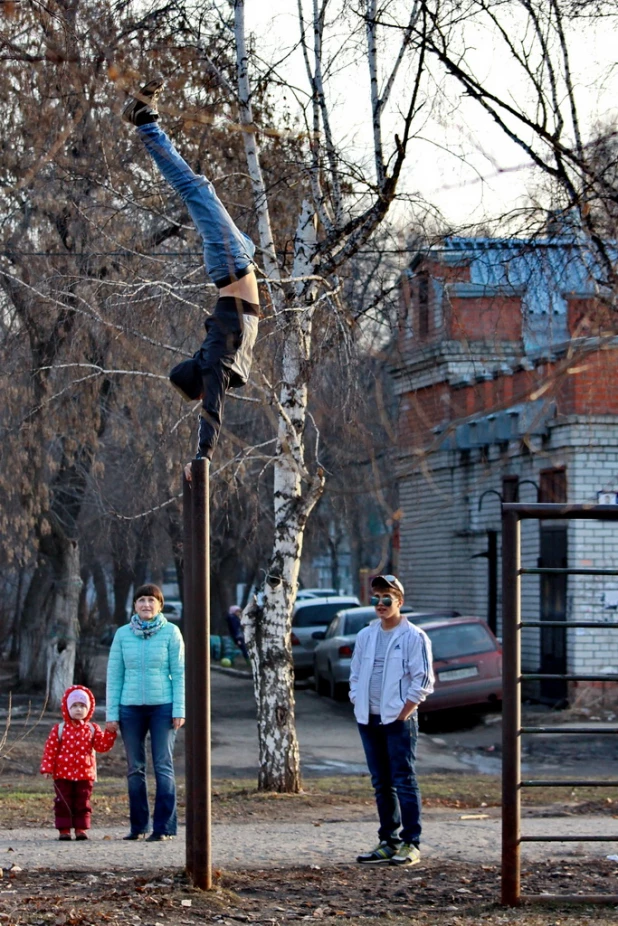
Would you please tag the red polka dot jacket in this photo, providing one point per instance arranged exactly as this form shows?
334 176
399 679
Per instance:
73 756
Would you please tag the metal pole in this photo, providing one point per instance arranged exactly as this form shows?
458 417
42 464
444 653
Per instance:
511 710
199 694
188 620
492 580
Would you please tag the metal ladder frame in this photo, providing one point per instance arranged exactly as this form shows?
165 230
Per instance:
512 730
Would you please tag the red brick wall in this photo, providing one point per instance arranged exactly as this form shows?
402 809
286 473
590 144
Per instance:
590 318
585 386
485 319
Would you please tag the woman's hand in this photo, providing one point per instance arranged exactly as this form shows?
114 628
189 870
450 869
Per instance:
188 472
112 726
178 722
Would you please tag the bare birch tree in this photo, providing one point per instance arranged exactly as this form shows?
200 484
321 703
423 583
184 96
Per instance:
540 111
336 218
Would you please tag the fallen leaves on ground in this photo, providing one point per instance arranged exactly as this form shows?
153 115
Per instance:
431 894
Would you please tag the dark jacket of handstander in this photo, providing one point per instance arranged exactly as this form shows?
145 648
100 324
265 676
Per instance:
223 362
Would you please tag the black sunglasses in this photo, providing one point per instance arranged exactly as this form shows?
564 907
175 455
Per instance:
386 600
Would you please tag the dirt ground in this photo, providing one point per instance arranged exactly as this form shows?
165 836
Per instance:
431 894
437 892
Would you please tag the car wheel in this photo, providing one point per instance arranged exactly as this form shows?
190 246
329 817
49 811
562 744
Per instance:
321 684
337 690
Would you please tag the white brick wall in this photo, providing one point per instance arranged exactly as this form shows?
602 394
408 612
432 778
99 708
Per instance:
442 528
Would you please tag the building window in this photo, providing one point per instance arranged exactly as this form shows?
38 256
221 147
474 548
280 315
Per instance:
423 305
553 487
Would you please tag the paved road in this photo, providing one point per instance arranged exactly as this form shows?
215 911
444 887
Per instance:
327 733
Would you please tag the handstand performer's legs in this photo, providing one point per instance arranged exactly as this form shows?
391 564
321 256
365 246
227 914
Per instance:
228 253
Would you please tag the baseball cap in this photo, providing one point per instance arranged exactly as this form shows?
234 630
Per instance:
388 581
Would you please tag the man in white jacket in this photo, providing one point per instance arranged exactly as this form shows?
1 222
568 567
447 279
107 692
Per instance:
391 674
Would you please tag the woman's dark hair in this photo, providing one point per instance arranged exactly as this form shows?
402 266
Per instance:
148 590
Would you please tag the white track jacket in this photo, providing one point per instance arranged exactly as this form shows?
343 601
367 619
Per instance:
408 670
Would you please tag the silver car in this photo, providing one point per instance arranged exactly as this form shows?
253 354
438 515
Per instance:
333 652
311 615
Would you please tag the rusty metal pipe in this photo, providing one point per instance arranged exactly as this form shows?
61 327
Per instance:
199 694
570 898
188 621
569 783
562 512
511 709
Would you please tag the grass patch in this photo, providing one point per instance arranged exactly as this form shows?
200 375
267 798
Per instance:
28 801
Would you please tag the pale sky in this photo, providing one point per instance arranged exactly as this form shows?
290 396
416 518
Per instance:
460 160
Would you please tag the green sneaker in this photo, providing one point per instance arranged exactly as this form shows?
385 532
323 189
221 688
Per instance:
381 855
406 855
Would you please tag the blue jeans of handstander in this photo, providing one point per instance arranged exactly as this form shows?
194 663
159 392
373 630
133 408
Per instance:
136 721
390 750
228 252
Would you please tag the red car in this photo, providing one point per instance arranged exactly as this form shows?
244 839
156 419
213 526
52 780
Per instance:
467 663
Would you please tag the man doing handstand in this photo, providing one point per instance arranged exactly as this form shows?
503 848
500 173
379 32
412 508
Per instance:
224 359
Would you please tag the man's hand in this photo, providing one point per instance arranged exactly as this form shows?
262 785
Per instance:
407 710
188 472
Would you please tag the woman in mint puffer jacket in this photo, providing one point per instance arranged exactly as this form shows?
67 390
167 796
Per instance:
146 694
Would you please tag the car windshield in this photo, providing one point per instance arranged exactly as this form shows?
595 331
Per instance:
354 623
460 640
318 615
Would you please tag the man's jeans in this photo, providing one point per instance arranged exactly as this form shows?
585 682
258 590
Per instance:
135 722
228 253
390 750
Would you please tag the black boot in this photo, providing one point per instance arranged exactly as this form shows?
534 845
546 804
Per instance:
142 109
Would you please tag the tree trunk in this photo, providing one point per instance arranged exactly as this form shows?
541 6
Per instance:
123 580
49 628
100 586
62 643
268 629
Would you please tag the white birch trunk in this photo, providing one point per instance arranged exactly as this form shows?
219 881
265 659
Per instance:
64 626
268 628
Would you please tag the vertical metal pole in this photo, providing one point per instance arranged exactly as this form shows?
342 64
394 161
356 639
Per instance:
200 693
188 620
511 710
492 580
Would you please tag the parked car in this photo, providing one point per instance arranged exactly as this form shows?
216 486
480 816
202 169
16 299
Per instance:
467 664
309 615
467 657
332 655
172 609
303 593
334 648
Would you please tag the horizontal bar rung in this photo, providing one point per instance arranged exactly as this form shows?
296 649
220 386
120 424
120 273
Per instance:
568 838
539 676
564 783
550 624
565 571
602 731
569 898
562 512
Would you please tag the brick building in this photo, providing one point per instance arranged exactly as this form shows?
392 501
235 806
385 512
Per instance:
506 375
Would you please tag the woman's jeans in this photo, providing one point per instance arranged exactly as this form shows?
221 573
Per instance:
228 253
135 722
390 750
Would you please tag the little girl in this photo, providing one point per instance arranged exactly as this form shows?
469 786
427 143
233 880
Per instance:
69 758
